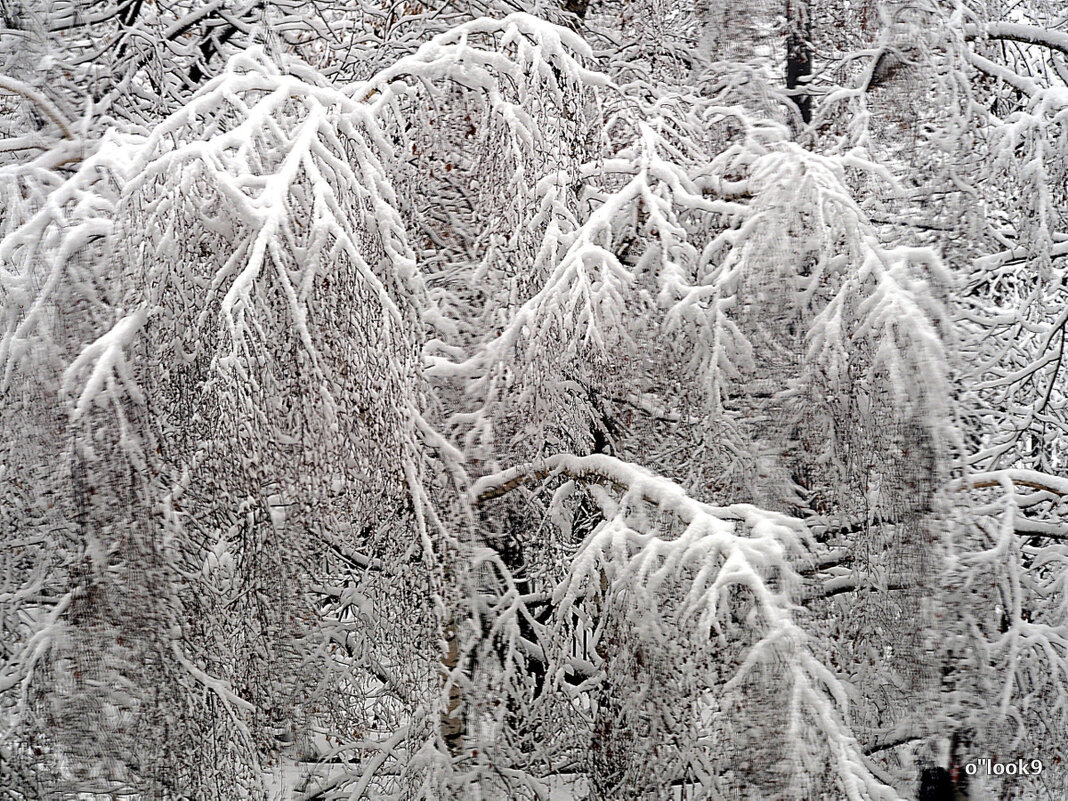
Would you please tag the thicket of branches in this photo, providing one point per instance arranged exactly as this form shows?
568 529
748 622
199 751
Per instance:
467 400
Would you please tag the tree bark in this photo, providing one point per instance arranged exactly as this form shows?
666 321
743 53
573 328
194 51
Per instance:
799 55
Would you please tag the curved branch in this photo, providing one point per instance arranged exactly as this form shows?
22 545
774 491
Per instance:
47 106
1018 477
1019 82
1016 32
602 469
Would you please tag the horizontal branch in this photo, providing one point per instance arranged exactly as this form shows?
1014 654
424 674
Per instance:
891 740
1016 32
493 487
1017 477
1040 528
843 584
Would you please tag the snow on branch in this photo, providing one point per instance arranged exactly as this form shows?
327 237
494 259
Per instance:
47 106
1024 84
1017 32
269 160
106 364
1010 559
582 307
55 255
689 583
803 248
1015 477
262 221
631 478
524 48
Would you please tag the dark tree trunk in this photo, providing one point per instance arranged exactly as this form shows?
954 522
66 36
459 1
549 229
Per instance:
935 785
577 7
799 55
209 46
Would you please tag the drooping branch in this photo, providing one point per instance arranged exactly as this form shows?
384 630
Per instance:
1018 82
599 468
47 106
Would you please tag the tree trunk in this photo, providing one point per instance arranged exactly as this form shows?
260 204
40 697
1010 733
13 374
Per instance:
452 719
799 55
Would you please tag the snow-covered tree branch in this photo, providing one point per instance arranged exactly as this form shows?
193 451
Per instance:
496 400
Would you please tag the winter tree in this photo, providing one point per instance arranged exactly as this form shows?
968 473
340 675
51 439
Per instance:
602 400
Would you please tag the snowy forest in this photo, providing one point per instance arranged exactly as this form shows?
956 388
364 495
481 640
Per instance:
521 400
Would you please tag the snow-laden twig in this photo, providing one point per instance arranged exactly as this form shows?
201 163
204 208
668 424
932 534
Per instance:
34 96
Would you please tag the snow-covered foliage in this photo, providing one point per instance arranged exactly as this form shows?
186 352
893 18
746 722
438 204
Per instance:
461 401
